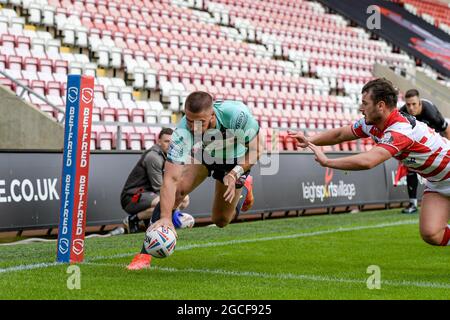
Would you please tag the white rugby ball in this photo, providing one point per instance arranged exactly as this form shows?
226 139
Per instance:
160 242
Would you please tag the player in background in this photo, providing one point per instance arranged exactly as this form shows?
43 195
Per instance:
219 139
426 111
397 135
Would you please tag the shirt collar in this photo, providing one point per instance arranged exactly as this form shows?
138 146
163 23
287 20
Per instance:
390 119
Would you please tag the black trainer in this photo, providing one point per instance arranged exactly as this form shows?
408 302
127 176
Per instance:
132 224
410 209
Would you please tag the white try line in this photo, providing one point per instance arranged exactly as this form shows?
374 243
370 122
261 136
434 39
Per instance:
290 236
285 276
222 243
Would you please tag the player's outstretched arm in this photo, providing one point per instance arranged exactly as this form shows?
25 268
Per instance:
362 161
255 148
172 175
325 138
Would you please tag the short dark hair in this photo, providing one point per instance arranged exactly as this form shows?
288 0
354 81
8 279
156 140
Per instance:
164 131
381 89
411 93
198 101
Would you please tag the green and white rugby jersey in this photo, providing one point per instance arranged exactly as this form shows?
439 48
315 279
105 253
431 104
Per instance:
235 127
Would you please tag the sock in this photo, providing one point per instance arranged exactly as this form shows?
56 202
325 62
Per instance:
155 217
134 218
446 240
156 213
241 201
413 202
412 182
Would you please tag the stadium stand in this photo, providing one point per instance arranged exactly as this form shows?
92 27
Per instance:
291 62
434 12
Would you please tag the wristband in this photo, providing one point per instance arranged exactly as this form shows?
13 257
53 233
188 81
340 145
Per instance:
238 171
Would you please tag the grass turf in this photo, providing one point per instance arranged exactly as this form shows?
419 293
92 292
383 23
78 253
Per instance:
317 257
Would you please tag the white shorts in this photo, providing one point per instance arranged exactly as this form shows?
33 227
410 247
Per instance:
441 187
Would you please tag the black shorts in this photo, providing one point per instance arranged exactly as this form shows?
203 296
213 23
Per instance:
144 202
219 171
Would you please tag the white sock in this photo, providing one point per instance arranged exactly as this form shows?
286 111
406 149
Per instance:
413 202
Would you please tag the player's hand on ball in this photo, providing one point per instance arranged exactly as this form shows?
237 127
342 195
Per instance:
230 181
302 140
320 157
163 222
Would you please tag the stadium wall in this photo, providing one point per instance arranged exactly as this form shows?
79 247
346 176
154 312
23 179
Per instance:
30 187
24 127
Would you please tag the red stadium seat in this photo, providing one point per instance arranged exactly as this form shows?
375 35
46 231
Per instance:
14 63
123 115
134 141
105 141
45 65
61 66
38 86
8 41
31 64
137 115
109 115
2 62
94 140
23 43
96 114
7 83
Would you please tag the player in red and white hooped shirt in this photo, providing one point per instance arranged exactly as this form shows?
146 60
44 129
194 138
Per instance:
401 136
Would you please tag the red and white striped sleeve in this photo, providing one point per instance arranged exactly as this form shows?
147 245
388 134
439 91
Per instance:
394 142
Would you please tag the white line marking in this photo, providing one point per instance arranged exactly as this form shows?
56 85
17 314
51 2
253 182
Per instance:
223 243
29 267
286 276
291 236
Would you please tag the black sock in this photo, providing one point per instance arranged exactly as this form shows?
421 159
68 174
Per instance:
134 218
156 213
412 182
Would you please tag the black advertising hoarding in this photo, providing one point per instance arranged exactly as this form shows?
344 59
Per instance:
30 189
30 186
407 31
302 183
399 193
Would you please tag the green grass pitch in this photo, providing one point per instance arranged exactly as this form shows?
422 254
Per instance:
316 257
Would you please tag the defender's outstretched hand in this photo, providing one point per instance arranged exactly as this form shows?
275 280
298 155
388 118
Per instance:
302 140
320 157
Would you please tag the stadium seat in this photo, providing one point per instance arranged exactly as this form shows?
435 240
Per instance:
148 140
109 114
123 115
105 140
134 141
163 47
